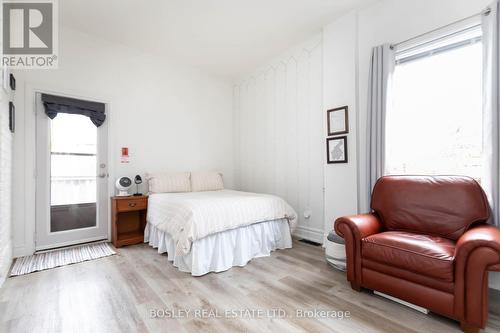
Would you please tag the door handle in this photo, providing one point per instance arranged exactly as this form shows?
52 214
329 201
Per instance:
103 175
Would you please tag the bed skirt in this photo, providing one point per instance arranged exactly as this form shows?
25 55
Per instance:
221 251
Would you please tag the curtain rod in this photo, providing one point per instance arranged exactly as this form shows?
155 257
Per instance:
485 12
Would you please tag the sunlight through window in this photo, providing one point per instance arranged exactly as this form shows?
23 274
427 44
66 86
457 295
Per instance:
435 124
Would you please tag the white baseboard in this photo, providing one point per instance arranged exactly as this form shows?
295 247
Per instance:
311 234
22 251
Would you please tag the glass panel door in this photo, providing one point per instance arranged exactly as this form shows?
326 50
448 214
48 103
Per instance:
71 180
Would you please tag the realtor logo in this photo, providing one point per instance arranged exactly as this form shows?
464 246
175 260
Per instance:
29 34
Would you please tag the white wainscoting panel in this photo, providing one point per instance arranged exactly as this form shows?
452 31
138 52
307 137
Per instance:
279 142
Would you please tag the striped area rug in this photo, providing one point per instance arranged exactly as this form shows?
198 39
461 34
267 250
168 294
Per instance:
61 257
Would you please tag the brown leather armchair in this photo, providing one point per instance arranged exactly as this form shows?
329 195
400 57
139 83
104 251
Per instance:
426 242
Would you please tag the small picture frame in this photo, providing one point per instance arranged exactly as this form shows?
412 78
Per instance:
336 150
338 121
12 81
12 117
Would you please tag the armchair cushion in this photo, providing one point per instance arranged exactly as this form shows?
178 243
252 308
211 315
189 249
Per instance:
443 206
430 256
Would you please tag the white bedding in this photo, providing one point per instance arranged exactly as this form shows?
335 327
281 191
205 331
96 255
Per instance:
188 217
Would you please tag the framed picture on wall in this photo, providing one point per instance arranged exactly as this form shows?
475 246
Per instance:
338 121
336 150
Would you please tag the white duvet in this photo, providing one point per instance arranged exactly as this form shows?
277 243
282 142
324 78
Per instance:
190 216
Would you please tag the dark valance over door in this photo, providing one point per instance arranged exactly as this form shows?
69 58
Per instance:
57 104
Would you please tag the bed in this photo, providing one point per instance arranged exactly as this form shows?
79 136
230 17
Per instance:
214 230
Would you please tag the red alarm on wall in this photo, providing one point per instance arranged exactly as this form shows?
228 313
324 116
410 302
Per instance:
124 156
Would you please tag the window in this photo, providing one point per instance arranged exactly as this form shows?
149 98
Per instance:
73 160
435 123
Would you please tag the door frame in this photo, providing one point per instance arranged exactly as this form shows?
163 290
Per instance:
28 245
45 238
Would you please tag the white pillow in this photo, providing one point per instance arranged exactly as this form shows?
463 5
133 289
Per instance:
169 182
206 181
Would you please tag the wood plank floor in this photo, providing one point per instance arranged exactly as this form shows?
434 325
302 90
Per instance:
118 294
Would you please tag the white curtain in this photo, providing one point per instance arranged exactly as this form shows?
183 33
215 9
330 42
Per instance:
491 119
381 70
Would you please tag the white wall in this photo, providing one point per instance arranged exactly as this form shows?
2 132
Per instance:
171 117
279 145
339 88
6 143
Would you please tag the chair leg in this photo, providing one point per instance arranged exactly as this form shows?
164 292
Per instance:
355 286
469 328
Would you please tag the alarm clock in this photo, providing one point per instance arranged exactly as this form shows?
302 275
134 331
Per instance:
122 185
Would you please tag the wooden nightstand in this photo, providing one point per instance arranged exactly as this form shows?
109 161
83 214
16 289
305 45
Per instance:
128 219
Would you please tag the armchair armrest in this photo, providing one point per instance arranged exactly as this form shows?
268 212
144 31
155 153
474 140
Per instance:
362 225
353 229
484 235
477 252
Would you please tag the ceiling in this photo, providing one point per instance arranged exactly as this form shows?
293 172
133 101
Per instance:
223 37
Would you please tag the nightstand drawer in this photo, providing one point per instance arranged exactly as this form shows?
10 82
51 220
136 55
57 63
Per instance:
132 204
